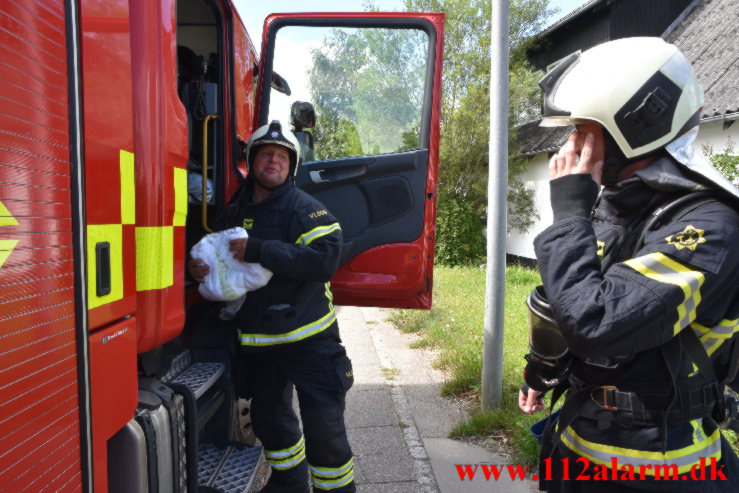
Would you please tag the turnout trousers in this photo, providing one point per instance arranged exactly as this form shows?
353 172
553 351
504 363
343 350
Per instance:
321 373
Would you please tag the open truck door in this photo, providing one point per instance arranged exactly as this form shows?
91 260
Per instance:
362 92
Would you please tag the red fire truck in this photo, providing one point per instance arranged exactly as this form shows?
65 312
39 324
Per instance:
121 133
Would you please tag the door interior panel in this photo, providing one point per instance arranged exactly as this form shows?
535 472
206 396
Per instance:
384 204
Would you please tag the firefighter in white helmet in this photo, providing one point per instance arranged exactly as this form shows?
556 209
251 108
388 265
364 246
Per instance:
640 283
288 331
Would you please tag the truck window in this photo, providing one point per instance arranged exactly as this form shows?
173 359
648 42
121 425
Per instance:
366 86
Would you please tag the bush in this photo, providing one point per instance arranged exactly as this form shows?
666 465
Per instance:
459 233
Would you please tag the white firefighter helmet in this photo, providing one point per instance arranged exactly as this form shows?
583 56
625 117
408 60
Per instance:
273 133
642 90
645 94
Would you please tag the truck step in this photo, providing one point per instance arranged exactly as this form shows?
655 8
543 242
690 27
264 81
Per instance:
228 468
199 377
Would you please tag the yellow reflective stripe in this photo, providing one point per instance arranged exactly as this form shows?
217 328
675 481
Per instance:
315 233
286 452
296 335
154 257
286 458
329 478
662 268
329 296
698 435
6 218
128 188
283 464
323 484
713 337
6 248
684 458
112 234
179 217
332 472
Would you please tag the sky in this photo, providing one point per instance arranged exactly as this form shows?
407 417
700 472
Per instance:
253 12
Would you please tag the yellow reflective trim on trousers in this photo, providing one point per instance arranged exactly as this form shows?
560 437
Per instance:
179 217
315 233
331 472
289 463
112 234
683 458
295 335
128 188
286 458
333 484
662 268
330 478
286 452
154 257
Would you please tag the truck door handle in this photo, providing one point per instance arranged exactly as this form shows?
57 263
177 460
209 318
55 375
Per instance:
338 174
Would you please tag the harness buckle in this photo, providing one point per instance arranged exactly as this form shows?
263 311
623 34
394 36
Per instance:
605 397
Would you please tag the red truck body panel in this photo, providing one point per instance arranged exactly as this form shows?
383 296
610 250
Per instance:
39 410
76 316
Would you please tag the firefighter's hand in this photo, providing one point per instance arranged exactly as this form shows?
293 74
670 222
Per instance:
583 153
530 402
238 247
198 269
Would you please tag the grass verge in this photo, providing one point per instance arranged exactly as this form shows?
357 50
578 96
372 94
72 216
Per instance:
454 327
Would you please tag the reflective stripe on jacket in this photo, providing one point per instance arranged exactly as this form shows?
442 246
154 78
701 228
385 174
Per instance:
619 309
300 241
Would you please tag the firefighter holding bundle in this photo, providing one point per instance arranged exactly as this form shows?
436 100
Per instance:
640 300
288 330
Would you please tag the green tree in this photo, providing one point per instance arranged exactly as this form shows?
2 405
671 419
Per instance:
371 80
463 162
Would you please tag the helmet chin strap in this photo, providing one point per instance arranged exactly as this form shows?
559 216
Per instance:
614 160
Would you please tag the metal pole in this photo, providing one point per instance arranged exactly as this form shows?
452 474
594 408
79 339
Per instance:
492 361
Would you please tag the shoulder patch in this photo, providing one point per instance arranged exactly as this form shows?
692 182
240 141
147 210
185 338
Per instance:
319 213
688 238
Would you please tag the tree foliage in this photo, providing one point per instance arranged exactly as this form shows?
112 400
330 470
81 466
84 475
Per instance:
726 161
367 84
463 162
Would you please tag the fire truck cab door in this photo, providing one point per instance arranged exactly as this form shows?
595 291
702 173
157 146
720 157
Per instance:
362 93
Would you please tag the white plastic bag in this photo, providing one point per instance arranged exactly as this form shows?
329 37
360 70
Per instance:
228 279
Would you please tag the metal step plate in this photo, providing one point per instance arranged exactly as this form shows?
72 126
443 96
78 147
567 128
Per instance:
228 468
199 377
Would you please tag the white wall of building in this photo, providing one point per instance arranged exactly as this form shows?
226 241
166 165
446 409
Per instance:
537 176
714 134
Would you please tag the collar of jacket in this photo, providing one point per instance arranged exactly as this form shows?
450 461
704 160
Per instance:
273 195
662 176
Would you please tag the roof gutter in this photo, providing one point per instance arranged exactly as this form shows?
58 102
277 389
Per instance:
726 117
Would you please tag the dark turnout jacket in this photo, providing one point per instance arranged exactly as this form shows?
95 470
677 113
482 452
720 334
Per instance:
293 235
621 311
